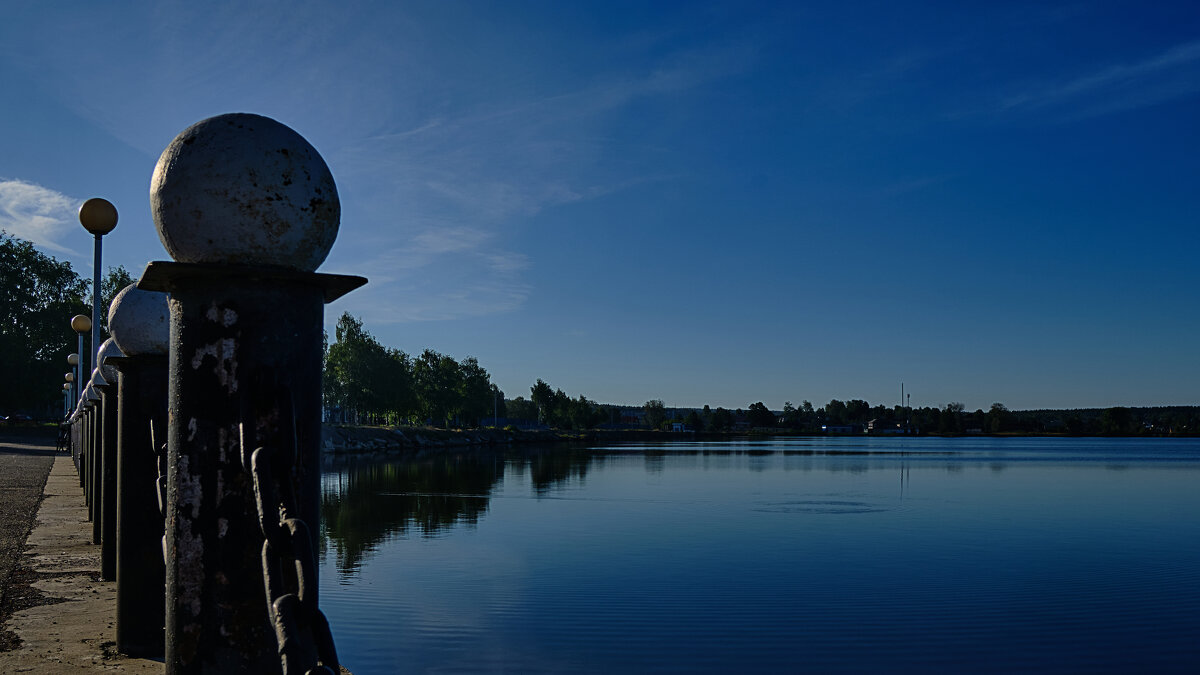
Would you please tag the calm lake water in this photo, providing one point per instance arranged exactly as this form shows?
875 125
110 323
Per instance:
784 555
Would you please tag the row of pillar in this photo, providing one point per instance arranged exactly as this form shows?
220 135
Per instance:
118 471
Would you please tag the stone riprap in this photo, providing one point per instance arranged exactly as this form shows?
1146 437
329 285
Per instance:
349 439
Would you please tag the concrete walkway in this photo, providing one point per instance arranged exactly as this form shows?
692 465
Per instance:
70 627
25 461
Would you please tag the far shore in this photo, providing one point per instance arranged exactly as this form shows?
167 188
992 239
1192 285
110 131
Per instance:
338 439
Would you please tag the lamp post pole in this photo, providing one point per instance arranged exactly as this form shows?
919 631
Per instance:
68 386
73 361
99 217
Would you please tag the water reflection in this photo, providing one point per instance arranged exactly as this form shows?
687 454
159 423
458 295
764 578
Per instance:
365 502
552 467
1081 555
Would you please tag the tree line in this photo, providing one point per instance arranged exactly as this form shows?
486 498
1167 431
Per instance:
367 383
40 296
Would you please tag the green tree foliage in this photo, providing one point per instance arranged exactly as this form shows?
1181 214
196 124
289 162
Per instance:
365 380
1117 422
438 381
609 414
858 411
499 407
791 416
998 419
722 420
759 416
950 419
369 383
474 392
556 409
521 409
584 414
111 283
40 296
542 396
656 413
835 413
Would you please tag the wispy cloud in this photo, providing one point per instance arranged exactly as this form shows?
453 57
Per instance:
518 157
462 181
37 214
1166 76
423 286
448 139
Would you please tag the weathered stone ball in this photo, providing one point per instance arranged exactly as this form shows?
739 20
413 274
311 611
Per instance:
140 322
108 348
97 379
244 189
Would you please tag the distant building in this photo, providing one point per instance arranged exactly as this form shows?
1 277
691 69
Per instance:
881 426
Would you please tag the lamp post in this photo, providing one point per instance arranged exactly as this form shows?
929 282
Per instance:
99 217
73 361
68 386
80 324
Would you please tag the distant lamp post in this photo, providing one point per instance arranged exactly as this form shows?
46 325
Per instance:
99 217
80 324
73 361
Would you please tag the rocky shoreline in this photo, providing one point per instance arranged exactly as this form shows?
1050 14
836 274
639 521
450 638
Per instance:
349 439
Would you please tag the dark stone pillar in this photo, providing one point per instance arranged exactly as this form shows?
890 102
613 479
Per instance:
244 371
108 481
141 575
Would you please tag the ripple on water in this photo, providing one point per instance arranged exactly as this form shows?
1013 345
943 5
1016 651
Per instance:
820 507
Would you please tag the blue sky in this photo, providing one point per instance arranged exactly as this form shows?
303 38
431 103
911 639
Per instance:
714 203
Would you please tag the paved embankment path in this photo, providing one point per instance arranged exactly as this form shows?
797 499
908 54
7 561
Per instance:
25 460
63 618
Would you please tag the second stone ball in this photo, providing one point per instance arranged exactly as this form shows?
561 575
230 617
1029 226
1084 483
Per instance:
244 189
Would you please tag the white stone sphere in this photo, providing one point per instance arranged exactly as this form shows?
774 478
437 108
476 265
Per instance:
108 348
244 189
140 322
